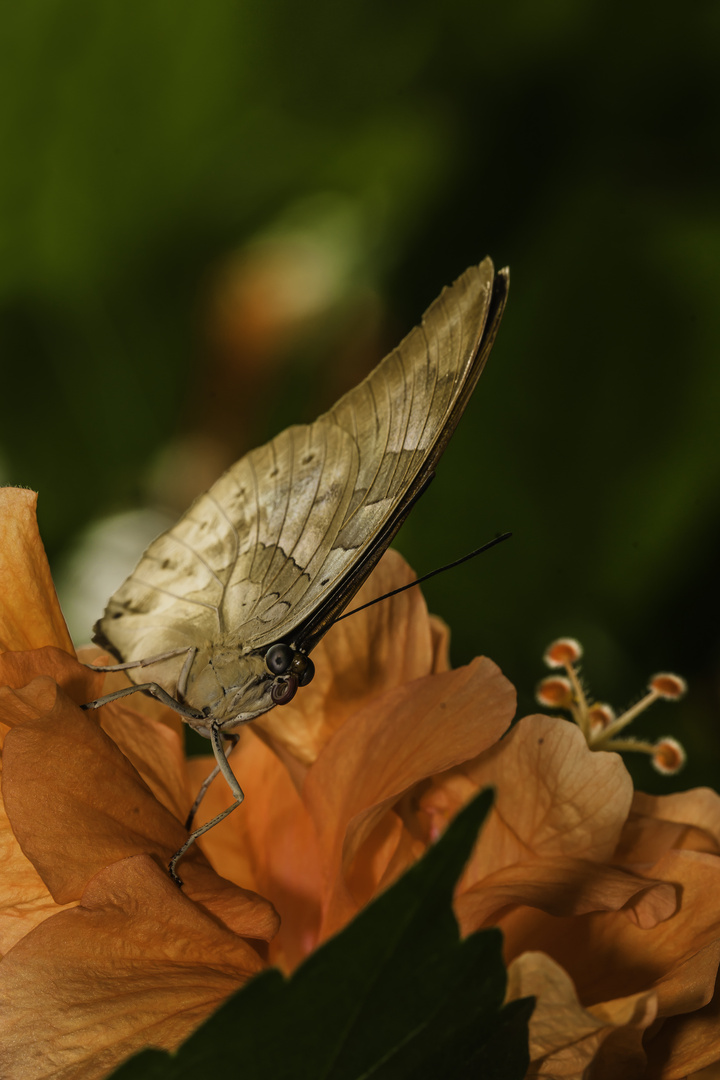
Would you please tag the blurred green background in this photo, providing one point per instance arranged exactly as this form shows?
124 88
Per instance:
216 217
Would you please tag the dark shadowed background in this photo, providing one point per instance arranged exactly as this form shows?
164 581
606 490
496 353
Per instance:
216 217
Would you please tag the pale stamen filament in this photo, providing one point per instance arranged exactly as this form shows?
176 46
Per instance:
620 745
629 715
579 708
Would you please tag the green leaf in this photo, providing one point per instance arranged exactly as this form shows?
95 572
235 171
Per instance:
395 996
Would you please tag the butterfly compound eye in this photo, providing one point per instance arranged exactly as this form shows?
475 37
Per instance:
303 667
283 692
278 659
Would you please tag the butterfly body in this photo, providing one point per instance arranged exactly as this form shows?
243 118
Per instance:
227 688
279 545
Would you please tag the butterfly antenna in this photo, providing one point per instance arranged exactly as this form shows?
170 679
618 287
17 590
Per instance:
426 577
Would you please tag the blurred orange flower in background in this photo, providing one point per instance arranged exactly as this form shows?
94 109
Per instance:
607 898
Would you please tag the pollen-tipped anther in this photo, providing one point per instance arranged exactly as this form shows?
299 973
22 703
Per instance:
668 755
555 692
562 652
667 685
600 716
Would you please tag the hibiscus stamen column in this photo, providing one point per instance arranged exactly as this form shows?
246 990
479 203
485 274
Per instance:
598 721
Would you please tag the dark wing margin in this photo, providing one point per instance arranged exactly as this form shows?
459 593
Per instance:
306 636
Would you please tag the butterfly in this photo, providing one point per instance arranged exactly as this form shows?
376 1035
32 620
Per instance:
220 615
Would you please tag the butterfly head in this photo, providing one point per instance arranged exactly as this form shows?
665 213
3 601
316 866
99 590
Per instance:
231 689
291 670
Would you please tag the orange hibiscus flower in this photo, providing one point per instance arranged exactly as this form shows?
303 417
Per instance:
606 898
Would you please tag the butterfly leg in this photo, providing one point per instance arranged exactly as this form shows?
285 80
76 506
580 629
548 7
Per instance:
155 690
223 766
233 739
193 837
146 662
184 672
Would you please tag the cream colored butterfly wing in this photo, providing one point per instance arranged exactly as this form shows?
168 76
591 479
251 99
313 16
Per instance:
282 541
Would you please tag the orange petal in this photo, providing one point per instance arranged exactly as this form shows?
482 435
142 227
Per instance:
361 657
156 751
562 887
17 669
708 1072
555 798
24 899
556 802
137 964
687 819
565 1038
394 850
76 804
30 614
688 1042
74 801
396 740
440 633
607 955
